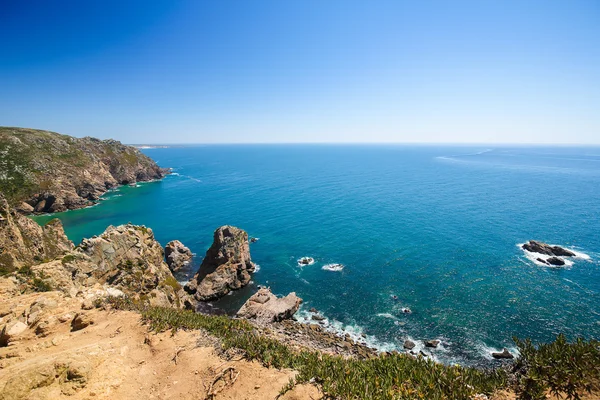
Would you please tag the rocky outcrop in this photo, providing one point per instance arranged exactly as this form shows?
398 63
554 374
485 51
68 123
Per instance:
48 172
177 255
126 258
265 307
503 355
24 243
226 266
543 248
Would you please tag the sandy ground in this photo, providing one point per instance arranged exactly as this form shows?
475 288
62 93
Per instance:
116 358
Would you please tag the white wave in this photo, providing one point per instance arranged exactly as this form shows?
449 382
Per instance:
533 257
175 173
486 351
333 267
304 261
387 315
355 332
256 268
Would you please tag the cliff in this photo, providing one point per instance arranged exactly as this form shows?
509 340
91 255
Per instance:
42 171
24 243
226 266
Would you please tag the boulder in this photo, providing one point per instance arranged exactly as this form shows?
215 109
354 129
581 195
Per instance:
226 266
432 343
81 321
534 246
555 261
11 331
265 307
504 354
177 255
409 344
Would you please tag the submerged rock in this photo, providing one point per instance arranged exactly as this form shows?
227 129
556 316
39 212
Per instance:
265 307
504 354
226 266
177 255
534 246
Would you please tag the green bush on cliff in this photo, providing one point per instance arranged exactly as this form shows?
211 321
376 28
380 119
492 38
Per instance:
394 376
561 368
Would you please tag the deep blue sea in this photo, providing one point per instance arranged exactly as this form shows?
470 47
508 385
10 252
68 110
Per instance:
438 227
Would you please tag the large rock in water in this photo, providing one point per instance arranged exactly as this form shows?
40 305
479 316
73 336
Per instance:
177 255
226 266
265 307
534 246
24 243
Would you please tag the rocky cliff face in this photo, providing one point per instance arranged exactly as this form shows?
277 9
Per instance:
24 243
43 171
226 266
123 260
126 258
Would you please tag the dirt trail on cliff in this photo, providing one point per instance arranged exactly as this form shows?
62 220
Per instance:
117 358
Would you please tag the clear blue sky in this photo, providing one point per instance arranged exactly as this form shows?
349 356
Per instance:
304 71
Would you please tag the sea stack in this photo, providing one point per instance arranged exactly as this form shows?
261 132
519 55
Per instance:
226 266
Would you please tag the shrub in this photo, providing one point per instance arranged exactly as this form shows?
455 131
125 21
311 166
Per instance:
562 368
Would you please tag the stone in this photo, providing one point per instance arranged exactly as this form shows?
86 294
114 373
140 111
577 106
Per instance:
81 321
432 343
177 255
88 304
11 331
555 261
503 355
409 344
227 265
265 307
534 246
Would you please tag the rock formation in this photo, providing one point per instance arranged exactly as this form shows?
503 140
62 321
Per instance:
543 248
504 354
226 266
177 255
265 307
127 258
48 172
24 243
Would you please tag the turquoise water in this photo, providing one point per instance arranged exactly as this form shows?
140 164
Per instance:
436 226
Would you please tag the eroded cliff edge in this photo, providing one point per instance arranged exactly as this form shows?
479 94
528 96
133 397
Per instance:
42 171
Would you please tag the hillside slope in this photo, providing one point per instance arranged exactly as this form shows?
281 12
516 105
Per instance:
42 171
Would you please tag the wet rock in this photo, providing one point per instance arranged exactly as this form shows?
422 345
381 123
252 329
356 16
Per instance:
409 344
432 343
534 246
504 354
317 318
555 261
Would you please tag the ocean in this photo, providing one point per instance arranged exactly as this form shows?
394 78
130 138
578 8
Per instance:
436 227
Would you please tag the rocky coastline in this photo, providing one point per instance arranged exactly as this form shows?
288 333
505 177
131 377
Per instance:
46 172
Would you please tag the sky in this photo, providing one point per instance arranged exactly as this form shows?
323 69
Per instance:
482 71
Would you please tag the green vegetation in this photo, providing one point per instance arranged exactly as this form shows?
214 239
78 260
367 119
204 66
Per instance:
559 367
394 376
68 258
41 286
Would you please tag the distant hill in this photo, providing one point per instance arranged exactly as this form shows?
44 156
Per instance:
42 171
